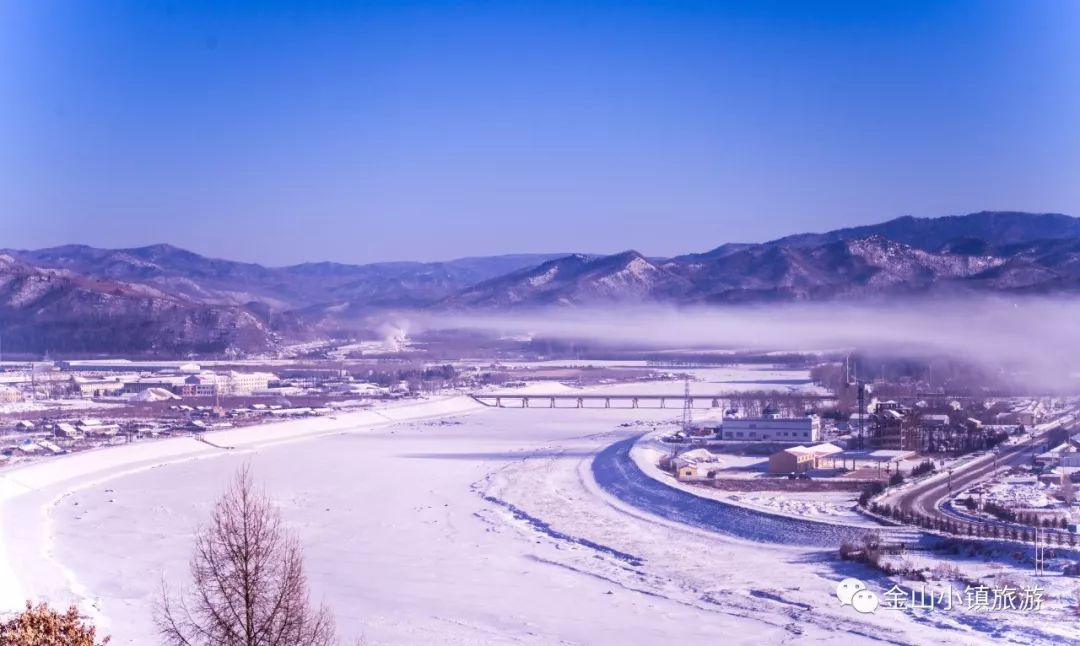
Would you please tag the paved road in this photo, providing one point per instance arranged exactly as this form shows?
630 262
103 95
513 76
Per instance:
925 498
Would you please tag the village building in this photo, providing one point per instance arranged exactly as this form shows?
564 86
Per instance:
798 459
794 459
684 469
50 447
97 428
68 431
936 420
199 386
772 428
246 383
27 448
90 388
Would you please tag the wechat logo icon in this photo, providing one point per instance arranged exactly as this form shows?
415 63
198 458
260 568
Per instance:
853 592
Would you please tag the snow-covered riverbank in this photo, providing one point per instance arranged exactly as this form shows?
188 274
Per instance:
27 563
430 525
824 506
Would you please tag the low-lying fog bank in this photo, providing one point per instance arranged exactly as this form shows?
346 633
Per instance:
1031 337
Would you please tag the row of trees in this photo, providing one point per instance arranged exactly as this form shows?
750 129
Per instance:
1009 515
897 478
961 528
922 468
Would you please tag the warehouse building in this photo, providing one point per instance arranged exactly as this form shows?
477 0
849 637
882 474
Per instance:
773 429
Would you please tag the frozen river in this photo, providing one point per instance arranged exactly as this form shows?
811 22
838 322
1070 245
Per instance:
484 527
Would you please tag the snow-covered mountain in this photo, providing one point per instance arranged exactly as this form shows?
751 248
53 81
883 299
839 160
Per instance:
161 299
576 280
226 282
833 267
996 227
58 310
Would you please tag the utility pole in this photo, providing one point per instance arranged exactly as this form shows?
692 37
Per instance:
862 410
1040 551
687 412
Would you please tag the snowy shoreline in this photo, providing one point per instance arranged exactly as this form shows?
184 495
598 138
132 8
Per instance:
448 510
645 458
28 492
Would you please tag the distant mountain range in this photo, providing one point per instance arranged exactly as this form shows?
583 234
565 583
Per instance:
161 300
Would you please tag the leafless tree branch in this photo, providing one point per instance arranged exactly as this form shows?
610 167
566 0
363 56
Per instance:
248 582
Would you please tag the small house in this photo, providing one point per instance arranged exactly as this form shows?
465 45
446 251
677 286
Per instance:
684 469
63 429
27 448
795 459
50 447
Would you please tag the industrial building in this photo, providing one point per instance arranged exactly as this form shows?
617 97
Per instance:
798 459
772 428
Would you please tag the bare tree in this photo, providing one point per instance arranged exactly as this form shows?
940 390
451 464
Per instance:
249 586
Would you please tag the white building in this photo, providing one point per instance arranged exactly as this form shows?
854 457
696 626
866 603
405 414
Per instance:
776 429
1029 415
9 395
98 387
246 383
208 384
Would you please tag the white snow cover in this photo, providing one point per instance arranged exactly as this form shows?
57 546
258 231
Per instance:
54 404
438 522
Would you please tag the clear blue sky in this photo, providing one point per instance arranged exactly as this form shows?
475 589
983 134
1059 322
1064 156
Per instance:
283 132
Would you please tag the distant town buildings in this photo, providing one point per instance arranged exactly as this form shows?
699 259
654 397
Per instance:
145 399
942 424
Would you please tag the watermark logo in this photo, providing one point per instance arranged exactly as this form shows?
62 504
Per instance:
865 602
853 592
979 598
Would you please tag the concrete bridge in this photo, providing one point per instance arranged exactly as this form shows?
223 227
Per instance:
630 400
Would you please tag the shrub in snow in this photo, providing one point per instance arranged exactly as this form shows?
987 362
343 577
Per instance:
43 626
